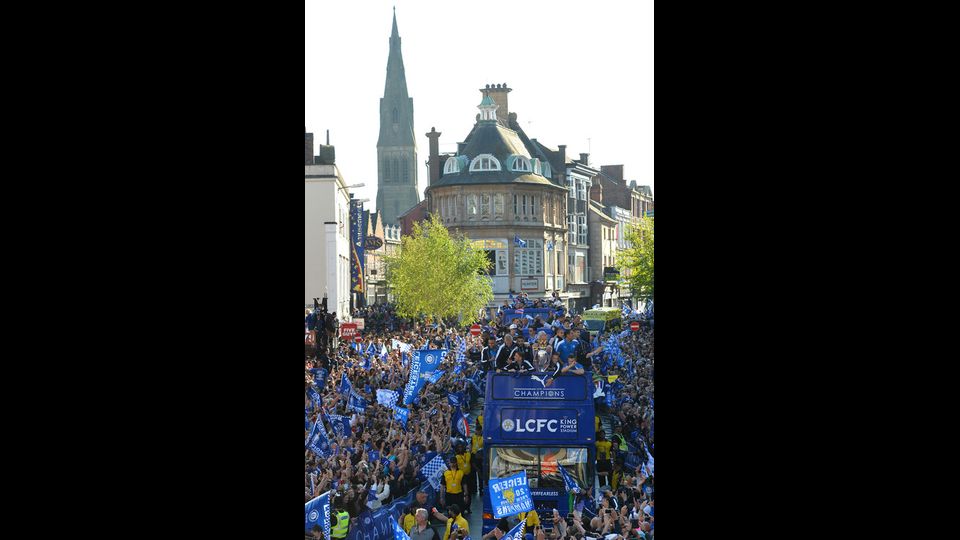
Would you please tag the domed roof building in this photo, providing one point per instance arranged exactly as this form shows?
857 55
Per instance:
499 192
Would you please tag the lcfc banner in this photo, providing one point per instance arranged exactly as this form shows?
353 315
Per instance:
510 495
358 229
539 424
423 364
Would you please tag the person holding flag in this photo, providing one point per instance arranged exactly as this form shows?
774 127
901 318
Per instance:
454 521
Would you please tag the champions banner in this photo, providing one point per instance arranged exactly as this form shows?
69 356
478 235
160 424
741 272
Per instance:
423 364
510 495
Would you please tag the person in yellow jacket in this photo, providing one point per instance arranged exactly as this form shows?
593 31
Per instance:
451 490
339 520
409 520
533 519
454 520
463 463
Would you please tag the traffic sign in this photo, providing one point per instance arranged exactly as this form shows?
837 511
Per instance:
348 330
357 338
635 325
475 330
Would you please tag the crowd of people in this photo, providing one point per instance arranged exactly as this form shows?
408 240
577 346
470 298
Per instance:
378 458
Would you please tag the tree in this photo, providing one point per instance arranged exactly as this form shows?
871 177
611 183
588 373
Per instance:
439 276
637 259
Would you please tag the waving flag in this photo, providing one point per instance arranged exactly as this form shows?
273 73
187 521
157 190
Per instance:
384 354
370 349
398 533
435 376
401 414
356 403
340 425
519 242
318 442
568 481
317 512
454 398
387 398
345 386
460 424
314 396
424 362
510 495
319 377
517 532
433 469
366 362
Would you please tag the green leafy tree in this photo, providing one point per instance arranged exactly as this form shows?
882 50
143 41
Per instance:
637 260
439 276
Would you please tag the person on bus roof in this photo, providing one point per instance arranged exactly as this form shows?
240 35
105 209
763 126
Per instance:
572 366
518 364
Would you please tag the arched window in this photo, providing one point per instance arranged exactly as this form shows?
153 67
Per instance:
484 204
520 163
485 162
547 171
536 166
452 165
405 168
395 174
498 204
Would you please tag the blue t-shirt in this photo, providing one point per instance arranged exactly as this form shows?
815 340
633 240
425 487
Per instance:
566 347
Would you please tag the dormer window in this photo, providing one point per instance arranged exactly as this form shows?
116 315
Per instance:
520 164
485 162
536 166
451 166
547 171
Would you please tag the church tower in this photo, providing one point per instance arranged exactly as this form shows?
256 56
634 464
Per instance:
397 189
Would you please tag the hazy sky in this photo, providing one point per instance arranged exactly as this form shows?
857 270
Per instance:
579 70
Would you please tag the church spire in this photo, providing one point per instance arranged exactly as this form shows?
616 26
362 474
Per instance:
395 33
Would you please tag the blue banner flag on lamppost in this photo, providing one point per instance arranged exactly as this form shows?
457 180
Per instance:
510 495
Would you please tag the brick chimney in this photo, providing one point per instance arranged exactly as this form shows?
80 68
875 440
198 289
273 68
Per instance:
307 147
614 172
596 192
562 150
584 159
434 137
498 93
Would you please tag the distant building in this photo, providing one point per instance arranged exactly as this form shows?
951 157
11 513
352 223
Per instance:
326 231
397 188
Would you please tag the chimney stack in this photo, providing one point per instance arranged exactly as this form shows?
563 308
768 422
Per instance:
328 137
434 137
563 154
584 159
596 192
614 172
307 148
498 93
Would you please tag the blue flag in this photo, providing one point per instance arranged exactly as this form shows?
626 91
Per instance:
569 482
398 533
455 398
433 469
423 363
387 398
340 425
517 532
345 386
366 362
317 512
510 495
356 403
401 414
314 396
319 377
370 348
435 376
460 424
317 441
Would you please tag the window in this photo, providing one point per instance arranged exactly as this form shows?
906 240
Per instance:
485 162
524 206
396 116
498 204
520 163
405 170
516 211
582 226
582 190
395 171
471 206
452 165
571 187
572 229
535 206
536 166
485 205
528 261
547 171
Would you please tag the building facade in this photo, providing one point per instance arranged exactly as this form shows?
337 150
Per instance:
397 188
326 231
505 199
604 280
